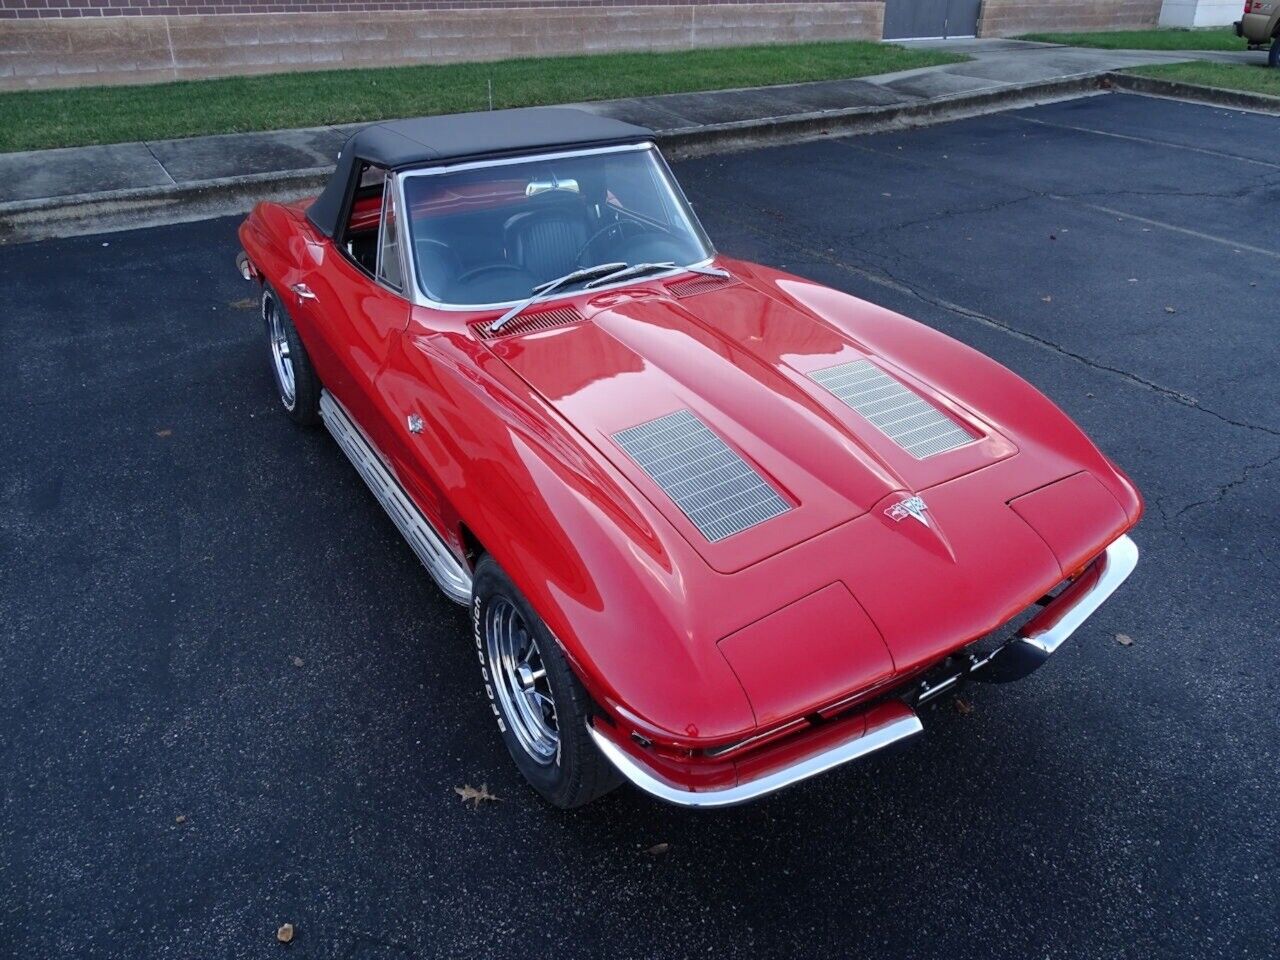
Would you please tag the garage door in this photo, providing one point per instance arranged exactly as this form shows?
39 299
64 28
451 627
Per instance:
907 19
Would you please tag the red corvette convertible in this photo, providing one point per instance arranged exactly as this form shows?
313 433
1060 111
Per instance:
720 528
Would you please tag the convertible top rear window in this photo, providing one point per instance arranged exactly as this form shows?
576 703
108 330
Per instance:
490 233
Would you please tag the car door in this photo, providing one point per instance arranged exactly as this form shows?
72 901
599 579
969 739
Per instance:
404 395
357 293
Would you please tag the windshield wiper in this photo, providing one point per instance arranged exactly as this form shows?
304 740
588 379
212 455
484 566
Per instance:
544 290
627 272
642 268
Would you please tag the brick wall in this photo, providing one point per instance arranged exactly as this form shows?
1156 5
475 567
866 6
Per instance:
1004 18
58 9
46 52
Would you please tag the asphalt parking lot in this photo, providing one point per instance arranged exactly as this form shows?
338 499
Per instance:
231 698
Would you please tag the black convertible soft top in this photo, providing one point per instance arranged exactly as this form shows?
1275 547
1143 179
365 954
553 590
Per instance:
462 136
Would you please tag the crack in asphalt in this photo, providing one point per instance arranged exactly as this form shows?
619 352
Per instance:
943 215
1224 489
884 277
881 275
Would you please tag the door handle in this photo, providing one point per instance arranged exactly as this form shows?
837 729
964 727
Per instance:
303 291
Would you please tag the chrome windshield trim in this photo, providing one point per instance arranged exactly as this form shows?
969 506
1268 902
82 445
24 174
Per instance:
414 291
435 171
900 729
1119 560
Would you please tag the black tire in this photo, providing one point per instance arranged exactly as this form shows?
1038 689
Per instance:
296 384
1273 57
575 773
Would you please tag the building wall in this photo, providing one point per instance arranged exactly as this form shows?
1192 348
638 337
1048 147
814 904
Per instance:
1200 13
58 51
1005 18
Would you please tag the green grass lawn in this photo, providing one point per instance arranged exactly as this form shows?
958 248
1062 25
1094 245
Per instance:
1228 76
31 120
1211 38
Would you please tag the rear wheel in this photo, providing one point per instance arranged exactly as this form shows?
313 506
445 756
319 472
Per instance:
540 706
295 379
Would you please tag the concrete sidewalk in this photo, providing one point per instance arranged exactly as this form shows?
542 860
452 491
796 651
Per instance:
174 171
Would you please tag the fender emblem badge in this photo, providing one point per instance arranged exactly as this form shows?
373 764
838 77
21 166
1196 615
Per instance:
415 423
913 507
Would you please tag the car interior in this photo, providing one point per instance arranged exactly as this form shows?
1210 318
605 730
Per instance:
491 234
360 238
479 239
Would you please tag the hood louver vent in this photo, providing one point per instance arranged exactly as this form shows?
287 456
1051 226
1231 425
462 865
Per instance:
912 423
532 323
713 486
693 286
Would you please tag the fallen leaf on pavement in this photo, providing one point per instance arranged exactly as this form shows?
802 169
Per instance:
248 303
658 849
1124 640
166 432
298 661
476 796
963 706
1170 310
285 933
180 818
1047 299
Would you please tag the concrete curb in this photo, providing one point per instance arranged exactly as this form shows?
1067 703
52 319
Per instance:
27 220
746 134
112 210
1177 90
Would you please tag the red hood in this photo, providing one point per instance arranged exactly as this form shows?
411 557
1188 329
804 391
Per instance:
740 356
739 359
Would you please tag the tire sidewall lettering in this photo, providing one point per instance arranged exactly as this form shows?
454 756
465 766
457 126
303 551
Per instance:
477 616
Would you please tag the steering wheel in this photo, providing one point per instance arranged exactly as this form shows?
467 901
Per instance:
619 227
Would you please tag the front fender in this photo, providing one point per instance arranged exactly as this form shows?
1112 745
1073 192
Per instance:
600 565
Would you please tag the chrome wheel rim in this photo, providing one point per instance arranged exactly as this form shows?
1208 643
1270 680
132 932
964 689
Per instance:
281 362
520 681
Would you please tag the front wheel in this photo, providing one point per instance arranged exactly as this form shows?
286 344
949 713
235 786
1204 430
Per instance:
295 379
540 706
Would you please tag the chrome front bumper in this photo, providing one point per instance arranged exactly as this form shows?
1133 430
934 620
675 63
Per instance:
1041 637
633 770
1035 642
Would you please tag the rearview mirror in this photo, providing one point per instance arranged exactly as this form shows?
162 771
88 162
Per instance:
536 187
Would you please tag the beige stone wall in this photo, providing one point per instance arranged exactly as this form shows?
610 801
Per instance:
1005 18
81 52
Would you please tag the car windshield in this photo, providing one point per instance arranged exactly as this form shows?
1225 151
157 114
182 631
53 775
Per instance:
494 233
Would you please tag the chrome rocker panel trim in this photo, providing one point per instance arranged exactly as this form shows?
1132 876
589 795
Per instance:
885 736
445 568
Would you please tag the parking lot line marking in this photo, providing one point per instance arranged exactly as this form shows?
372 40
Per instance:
880 277
1224 241
1155 143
